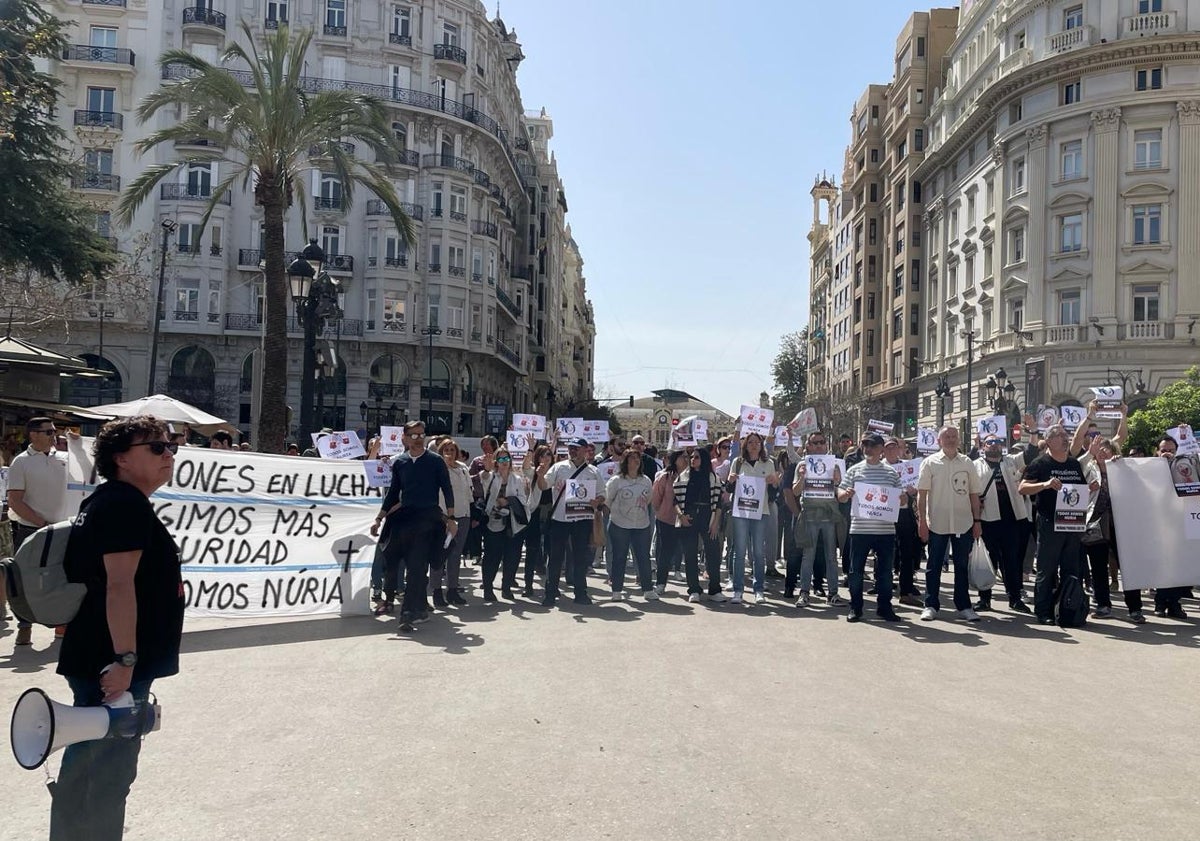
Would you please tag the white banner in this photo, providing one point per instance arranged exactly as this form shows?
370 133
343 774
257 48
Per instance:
818 476
263 535
578 499
875 502
1158 532
927 440
607 469
390 443
756 419
750 497
1108 401
804 422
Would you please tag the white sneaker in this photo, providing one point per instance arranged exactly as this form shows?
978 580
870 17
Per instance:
693 597
618 596
650 595
760 598
719 597
803 600
835 599
737 598
968 615
660 588
928 614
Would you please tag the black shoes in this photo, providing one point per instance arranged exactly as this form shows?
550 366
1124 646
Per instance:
453 597
406 623
1019 607
983 604
489 595
1176 611
549 600
527 592
438 599
507 593
584 599
889 616
853 617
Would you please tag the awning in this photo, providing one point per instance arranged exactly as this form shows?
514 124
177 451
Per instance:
54 409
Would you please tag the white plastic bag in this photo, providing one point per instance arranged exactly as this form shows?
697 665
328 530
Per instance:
979 571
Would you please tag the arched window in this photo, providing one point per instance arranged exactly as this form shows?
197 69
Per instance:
388 378
437 381
193 378
94 391
468 385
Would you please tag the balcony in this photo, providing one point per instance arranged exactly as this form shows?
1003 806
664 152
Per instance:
409 157
451 53
343 263
1066 334
468 394
337 203
434 268
1070 39
456 271
399 261
436 392
100 119
107 182
521 272
1151 24
476 277
1138 330
476 336
319 150
385 391
457 216
334 30
1015 61
274 23
186 315
507 303
376 207
399 40
508 354
120 4
487 229
450 162
199 142
190 192
393 325
118 56
245 322
196 16
483 179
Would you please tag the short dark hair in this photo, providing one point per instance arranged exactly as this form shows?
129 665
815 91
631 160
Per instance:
222 436
489 439
413 424
1167 439
34 423
118 436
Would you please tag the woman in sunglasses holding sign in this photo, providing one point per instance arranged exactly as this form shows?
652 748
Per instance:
505 500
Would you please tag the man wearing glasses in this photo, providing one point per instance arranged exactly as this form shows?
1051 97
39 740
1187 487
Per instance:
1007 517
37 492
649 465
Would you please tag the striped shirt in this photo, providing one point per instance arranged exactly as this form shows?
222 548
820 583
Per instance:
714 493
863 473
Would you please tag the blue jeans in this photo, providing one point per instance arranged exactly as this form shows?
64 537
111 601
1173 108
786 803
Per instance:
817 531
620 541
885 547
959 546
95 777
748 535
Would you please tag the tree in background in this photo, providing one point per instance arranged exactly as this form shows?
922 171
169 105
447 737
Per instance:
44 228
790 370
267 130
1178 403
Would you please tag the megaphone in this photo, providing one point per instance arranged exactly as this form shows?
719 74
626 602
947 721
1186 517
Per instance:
41 725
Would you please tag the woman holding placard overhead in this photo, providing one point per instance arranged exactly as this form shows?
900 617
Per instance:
698 515
504 496
750 477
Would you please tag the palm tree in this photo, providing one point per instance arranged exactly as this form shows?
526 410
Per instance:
266 128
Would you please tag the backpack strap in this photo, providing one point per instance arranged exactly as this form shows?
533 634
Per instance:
46 547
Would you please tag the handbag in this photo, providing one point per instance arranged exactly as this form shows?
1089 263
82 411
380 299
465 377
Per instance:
980 575
1093 535
598 538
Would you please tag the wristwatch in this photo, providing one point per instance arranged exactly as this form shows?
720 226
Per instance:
128 659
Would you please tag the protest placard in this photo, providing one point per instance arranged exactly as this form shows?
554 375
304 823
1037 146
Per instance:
1185 474
595 431
880 427
1148 512
390 440
577 500
1185 439
876 502
685 432
700 429
818 476
569 427
927 440
756 419
804 423
517 442
1072 416
749 497
530 423
339 445
379 473
1047 416
996 425
1070 508
909 471
782 438
1108 401
607 469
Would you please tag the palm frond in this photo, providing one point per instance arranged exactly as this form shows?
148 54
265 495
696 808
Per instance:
140 188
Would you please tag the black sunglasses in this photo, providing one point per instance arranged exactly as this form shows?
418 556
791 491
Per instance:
158 447
502 459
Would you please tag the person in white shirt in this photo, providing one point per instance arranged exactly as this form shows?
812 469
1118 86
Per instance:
451 565
569 530
948 519
627 500
1007 518
503 490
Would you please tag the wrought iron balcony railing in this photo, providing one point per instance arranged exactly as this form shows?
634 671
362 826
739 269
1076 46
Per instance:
96 181
450 52
103 119
204 17
104 55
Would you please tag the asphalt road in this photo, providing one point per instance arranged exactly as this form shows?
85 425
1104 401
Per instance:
657 721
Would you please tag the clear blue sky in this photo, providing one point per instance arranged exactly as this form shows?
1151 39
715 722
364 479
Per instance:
688 135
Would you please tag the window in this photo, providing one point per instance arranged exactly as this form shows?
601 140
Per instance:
952 281
401 78
1017 177
1147 149
402 23
457 257
455 310
98 162
914 319
954 224
1071 157
277 11
214 234
1145 303
103 222
1016 112
1016 245
331 240
1073 17
1147 224
901 151
188 236
898 324
919 140
434 309
971 211
914 275
103 36
458 201
1070 233
1068 306
920 47
1016 314
987 261
872 232
989 201
437 199
450 34
187 299
200 180
396 250
901 192
874 192
1145 7
1148 79
101 99
395 317
335 13
1070 93
871 306
331 191
1019 40
919 96
874 156
435 257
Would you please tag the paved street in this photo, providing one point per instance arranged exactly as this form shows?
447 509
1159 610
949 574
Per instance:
657 721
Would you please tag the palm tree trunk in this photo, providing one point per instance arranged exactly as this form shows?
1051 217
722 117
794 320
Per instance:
272 418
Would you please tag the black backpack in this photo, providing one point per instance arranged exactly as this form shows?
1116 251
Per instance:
1072 603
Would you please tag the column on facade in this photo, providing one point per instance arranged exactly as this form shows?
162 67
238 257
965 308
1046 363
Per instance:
1000 320
1188 249
1035 165
1106 209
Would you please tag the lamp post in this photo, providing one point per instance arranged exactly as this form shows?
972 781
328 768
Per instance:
1125 376
431 331
1002 395
942 391
313 293
168 228
338 381
551 396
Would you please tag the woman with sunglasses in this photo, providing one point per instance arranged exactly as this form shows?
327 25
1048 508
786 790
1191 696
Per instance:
537 461
668 549
127 632
626 497
501 538
698 516
749 535
460 481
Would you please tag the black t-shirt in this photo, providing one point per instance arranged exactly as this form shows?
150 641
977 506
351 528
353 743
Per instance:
1000 489
1043 469
119 518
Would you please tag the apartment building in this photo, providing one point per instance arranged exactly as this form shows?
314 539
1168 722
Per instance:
451 330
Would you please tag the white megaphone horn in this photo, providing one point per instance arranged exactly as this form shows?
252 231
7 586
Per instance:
41 725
